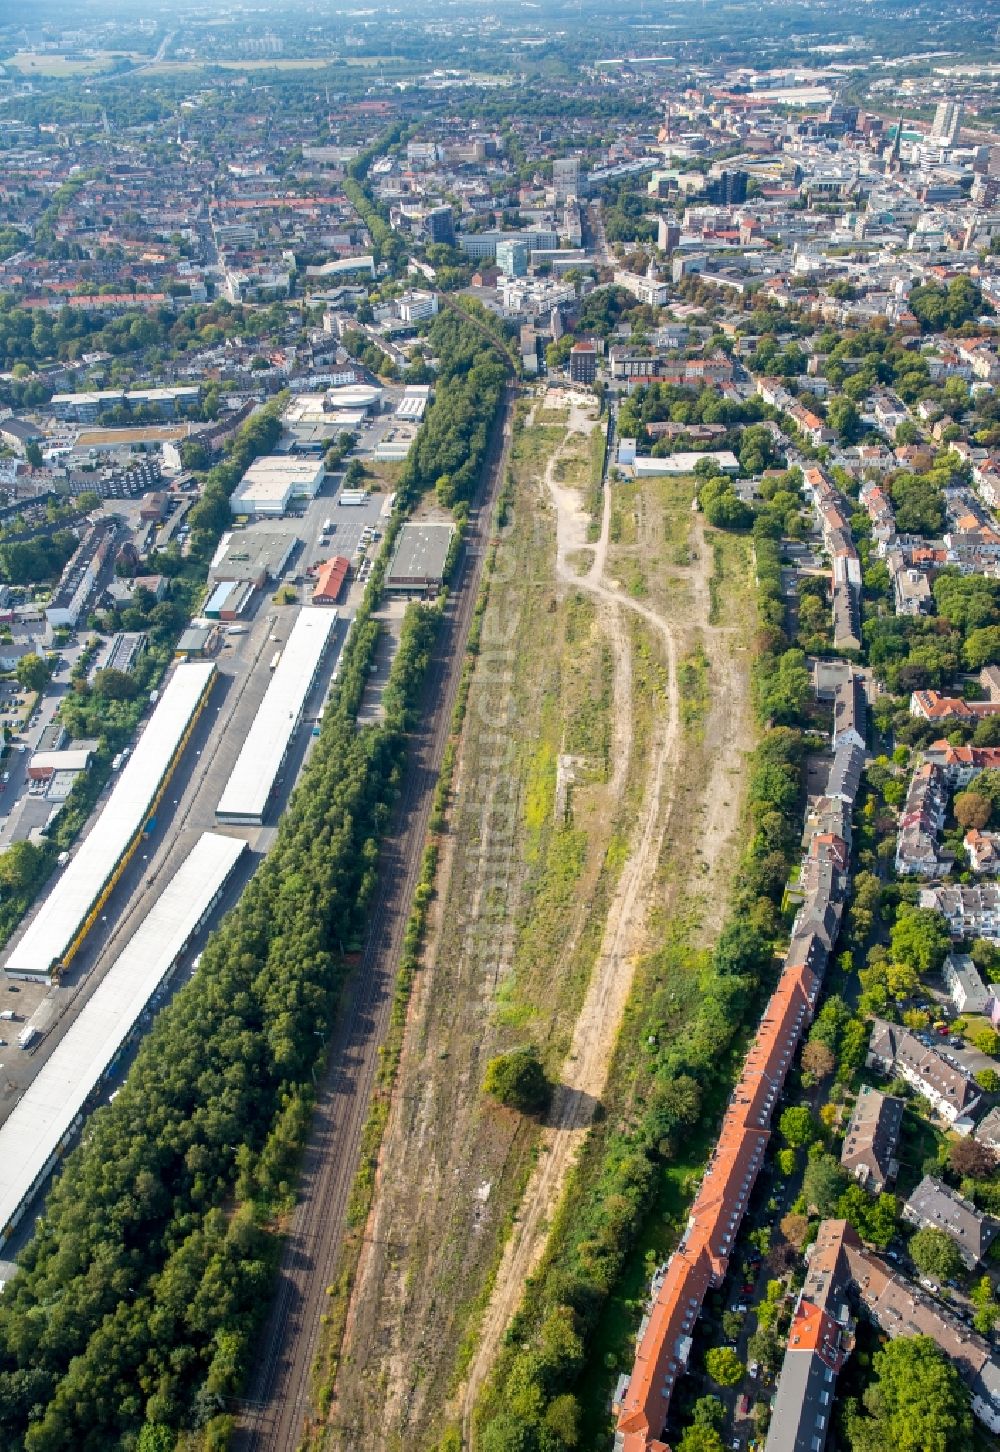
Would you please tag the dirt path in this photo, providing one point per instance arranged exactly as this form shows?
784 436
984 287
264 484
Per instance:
450 1168
584 1073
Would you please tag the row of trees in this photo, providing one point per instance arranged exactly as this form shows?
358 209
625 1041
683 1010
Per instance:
449 451
160 1232
141 1291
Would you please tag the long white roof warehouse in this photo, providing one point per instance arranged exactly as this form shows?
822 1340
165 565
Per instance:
249 789
40 1124
57 927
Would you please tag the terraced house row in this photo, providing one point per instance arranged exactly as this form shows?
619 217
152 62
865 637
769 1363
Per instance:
702 1257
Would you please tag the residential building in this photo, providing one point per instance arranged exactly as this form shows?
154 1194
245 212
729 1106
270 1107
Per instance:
935 1206
968 992
583 362
898 1308
983 849
921 822
872 1139
972 912
950 1091
820 1339
850 712
566 177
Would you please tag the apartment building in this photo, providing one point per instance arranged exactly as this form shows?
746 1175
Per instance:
951 1092
935 1206
872 1139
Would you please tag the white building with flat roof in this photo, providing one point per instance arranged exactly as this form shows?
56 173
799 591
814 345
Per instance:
69 910
42 1122
258 766
273 481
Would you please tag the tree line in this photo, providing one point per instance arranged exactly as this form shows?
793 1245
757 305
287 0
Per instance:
139 1298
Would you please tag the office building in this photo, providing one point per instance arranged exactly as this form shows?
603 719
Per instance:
512 256
947 122
439 224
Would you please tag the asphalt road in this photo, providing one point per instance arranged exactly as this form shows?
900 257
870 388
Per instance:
272 1416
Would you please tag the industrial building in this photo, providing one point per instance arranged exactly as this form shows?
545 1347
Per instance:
420 556
258 766
45 1118
330 580
273 481
413 405
69 911
252 557
229 600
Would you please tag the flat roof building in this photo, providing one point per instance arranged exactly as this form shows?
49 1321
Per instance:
273 481
248 792
47 1114
67 913
252 556
419 560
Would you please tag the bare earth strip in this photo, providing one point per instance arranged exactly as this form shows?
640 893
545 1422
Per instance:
466 1191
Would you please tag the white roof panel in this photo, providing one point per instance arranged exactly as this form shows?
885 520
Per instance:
39 1123
249 787
63 911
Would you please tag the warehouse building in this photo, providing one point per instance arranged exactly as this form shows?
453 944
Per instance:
229 600
330 580
70 910
252 556
419 560
50 1111
273 481
258 767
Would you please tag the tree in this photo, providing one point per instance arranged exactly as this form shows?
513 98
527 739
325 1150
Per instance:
765 1348
798 1128
33 454
970 1159
724 1366
115 685
699 1438
844 419
33 673
935 1254
817 1059
823 1183
708 1411
988 1080
918 1403
920 939
795 1228
517 1080
972 810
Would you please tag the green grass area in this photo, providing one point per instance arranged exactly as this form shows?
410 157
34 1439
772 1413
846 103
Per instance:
29 63
732 561
693 681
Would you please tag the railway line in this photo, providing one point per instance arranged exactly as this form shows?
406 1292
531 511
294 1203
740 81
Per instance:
272 1417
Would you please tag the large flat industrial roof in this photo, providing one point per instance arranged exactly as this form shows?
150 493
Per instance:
249 788
64 910
420 554
38 1125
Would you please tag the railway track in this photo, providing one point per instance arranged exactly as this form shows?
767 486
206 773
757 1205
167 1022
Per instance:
272 1417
